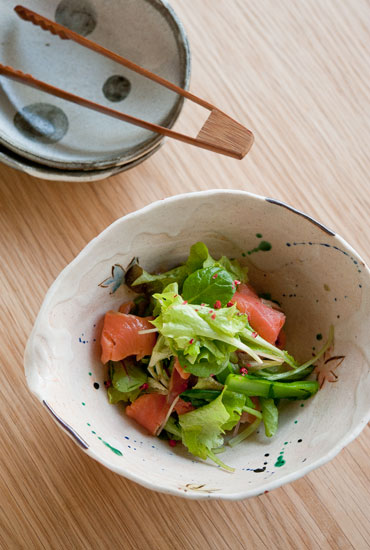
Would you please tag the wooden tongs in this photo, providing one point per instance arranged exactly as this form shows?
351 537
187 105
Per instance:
220 133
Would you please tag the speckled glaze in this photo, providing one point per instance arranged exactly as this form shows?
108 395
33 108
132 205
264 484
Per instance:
59 134
315 275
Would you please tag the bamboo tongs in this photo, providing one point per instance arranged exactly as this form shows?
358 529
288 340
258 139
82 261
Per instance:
220 133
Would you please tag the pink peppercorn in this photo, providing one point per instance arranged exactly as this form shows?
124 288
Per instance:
145 386
230 304
254 334
244 371
217 304
184 302
236 282
215 276
191 341
172 443
213 316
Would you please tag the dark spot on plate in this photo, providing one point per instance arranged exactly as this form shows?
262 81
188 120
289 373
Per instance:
96 385
42 122
77 15
116 88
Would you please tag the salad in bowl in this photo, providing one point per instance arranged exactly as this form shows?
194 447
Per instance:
206 368
198 356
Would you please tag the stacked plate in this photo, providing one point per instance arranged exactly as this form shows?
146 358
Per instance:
53 139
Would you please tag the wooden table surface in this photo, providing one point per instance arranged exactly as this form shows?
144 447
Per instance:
297 73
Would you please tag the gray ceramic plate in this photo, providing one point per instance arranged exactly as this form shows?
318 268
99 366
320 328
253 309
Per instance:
54 174
56 133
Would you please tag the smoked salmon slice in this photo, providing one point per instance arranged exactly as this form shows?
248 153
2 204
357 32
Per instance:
177 385
185 375
149 410
263 319
183 407
120 337
126 307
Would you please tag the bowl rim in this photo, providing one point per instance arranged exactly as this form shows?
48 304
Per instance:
270 485
119 160
41 171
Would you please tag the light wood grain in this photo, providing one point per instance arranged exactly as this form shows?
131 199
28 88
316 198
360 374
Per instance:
298 75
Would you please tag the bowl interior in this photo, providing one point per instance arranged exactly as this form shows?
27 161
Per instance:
63 135
318 279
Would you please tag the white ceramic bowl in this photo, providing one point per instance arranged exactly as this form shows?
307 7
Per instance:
319 280
59 134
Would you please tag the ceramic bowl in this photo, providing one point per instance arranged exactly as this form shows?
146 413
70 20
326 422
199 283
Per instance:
59 134
55 174
315 275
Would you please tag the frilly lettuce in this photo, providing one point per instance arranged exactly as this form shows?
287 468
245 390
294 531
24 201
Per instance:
202 430
200 337
199 259
126 377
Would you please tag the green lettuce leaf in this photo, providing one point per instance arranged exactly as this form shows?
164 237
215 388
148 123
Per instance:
199 257
160 351
270 416
193 394
203 339
234 268
159 282
202 429
173 428
203 367
234 403
208 383
126 378
114 396
209 285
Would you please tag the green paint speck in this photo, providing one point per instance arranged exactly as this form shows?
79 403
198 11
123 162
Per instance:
302 404
115 451
285 443
99 438
280 462
88 423
90 373
258 235
243 254
92 431
264 246
83 403
295 421
319 336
